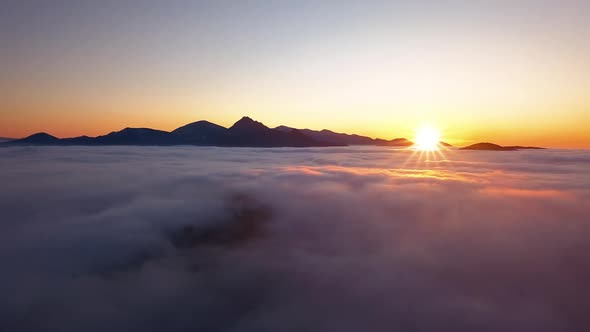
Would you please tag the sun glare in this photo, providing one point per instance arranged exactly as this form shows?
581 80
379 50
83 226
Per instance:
427 138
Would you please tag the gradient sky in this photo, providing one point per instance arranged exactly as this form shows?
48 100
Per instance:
511 72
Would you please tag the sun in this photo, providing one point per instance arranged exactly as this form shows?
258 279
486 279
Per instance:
427 138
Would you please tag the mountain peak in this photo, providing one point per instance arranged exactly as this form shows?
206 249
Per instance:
246 123
284 128
201 133
42 136
197 126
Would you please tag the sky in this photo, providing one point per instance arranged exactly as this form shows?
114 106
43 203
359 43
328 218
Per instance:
511 72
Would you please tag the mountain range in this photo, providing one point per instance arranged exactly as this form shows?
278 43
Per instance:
244 133
485 146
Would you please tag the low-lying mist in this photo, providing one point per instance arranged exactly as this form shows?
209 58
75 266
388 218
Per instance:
318 239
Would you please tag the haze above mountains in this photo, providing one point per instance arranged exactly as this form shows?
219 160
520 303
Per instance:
244 133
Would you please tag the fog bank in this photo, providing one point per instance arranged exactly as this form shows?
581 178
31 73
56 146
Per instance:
315 239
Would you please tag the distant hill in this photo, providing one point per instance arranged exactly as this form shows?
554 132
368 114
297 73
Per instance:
38 139
202 133
138 136
485 146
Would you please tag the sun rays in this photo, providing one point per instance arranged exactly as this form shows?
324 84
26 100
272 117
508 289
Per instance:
427 138
428 150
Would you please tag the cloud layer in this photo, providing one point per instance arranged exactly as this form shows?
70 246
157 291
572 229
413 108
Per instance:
318 239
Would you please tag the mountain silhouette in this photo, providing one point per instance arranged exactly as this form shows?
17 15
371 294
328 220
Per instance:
39 139
247 125
202 133
330 137
246 132
485 146
80 140
138 136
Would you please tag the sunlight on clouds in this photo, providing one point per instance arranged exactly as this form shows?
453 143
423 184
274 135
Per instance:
363 171
527 193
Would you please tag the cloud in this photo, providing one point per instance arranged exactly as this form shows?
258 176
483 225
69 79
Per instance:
185 238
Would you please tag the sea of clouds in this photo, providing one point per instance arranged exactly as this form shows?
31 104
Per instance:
318 239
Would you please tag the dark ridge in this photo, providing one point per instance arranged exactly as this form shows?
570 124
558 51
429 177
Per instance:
399 142
138 136
80 140
202 133
37 139
330 137
244 133
485 146
249 133
284 129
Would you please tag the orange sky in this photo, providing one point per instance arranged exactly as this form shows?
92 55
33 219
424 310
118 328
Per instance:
505 73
